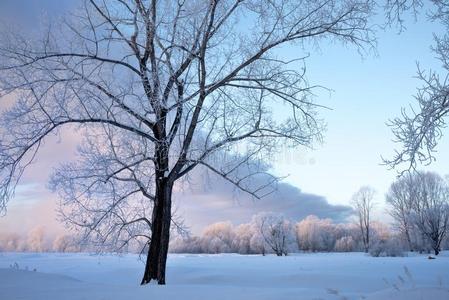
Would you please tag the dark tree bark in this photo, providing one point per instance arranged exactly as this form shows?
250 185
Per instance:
158 246
409 240
161 219
436 242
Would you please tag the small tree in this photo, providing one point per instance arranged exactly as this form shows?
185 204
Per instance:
419 204
363 204
257 241
36 240
316 234
345 244
218 238
10 242
430 212
401 197
243 235
276 231
65 243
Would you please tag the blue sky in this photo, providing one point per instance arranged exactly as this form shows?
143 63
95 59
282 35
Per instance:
367 92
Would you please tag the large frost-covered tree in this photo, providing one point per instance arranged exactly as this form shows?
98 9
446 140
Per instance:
157 88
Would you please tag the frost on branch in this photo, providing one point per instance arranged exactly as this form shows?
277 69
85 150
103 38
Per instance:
157 89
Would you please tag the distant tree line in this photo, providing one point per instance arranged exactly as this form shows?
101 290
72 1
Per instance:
417 202
266 233
273 233
38 240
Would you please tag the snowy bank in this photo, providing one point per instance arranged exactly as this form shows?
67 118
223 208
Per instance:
301 276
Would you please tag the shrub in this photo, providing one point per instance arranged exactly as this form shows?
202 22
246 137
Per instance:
345 244
390 247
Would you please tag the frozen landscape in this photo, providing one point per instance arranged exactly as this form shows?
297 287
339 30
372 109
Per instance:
247 149
226 276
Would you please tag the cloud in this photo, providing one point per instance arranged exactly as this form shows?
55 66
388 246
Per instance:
213 199
203 200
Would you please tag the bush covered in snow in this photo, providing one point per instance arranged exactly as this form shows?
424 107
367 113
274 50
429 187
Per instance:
345 244
391 247
314 234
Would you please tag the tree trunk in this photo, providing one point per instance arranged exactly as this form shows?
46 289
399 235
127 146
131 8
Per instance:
409 240
436 244
160 235
367 238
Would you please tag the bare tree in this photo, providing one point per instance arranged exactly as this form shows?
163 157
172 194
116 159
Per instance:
419 129
431 208
419 204
401 197
218 238
316 234
276 231
243 235
158 88
363 204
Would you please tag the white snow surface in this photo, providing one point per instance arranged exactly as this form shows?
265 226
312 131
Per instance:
54 276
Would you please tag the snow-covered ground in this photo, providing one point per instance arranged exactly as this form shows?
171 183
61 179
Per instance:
302 276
